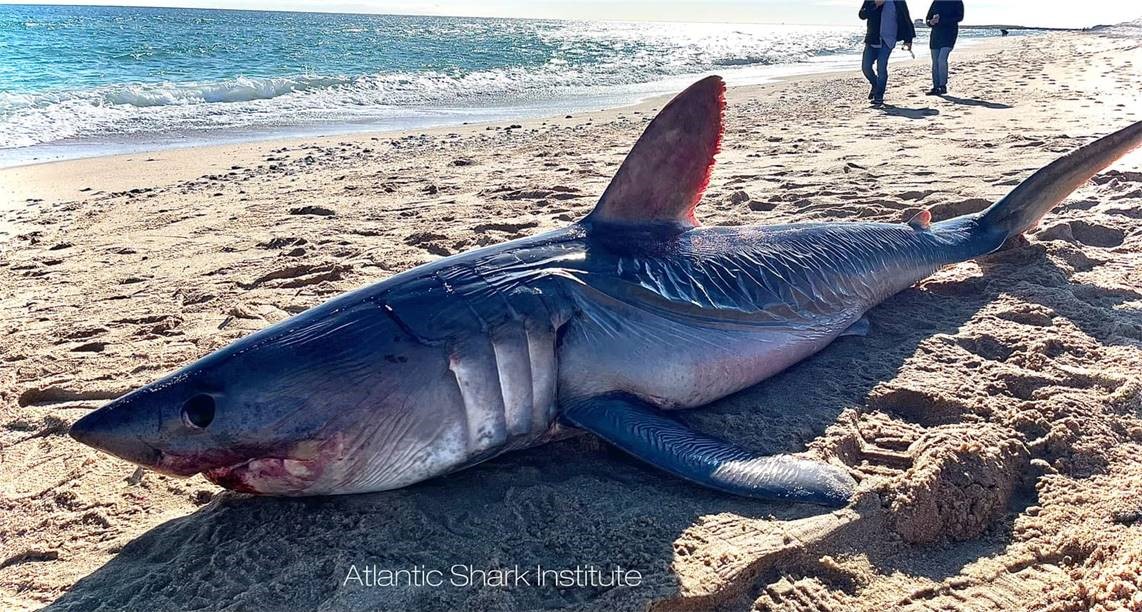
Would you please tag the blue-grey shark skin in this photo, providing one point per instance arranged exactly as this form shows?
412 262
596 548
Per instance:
453 362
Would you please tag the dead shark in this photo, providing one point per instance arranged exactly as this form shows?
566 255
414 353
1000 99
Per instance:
604 326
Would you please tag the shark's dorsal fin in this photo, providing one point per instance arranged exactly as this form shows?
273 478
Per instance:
665 174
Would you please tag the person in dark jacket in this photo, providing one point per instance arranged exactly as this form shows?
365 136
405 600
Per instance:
944 18
887 21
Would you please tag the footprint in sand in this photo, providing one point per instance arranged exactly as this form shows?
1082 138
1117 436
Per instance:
1079 205
924 407
1096 235
1133 213
512 229
296 275
986 346
320 211
46 396
282 242
430 242
956 208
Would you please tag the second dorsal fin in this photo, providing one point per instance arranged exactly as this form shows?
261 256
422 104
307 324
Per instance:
921 220
664 175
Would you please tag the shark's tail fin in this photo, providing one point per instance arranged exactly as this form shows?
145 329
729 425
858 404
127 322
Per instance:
1021 209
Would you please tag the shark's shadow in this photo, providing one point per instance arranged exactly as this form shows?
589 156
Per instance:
574 503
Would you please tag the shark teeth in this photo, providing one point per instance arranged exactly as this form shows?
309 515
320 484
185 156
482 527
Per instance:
300 469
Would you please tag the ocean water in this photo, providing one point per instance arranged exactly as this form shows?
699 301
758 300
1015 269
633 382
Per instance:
78 81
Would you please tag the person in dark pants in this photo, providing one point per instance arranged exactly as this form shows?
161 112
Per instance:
944 18
887 21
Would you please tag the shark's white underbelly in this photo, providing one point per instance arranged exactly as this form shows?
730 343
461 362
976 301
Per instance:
682 362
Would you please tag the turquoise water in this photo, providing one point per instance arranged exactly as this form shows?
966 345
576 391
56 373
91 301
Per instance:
83 80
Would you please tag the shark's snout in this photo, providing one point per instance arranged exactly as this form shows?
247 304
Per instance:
109 430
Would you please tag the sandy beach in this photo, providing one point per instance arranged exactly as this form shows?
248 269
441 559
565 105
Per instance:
993 414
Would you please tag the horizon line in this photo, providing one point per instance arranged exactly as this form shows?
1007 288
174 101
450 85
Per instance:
568 19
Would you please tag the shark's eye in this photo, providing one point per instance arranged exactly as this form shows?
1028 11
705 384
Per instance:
198 411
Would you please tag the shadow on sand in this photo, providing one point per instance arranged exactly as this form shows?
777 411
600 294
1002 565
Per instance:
909 113
571 503
976 102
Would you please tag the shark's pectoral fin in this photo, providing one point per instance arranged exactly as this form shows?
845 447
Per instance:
647 433
860 328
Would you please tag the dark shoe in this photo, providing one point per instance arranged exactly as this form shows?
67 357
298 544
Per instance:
935 91
943 91
877 102
872 93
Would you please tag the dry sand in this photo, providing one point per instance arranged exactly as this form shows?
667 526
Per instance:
993 413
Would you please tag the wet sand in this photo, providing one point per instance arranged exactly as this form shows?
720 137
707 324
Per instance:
993 414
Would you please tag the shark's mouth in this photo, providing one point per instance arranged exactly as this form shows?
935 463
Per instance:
269 475
297 469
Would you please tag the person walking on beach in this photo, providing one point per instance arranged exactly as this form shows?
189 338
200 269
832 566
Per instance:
944 17
887 22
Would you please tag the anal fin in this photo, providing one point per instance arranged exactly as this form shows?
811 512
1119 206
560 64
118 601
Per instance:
645 432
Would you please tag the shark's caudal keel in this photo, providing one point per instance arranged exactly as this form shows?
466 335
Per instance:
603 326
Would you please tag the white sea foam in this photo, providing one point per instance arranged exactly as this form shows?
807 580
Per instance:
32 118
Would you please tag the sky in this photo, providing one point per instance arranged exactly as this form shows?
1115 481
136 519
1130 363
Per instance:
1050 13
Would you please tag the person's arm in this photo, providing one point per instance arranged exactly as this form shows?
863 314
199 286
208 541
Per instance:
928 17
865 7
909 29
958 11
